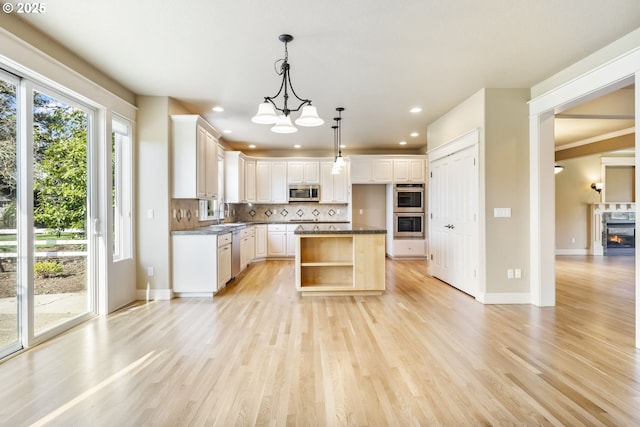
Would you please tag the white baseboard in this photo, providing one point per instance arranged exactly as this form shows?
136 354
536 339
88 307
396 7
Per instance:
572 251
193 294
154 294
505 298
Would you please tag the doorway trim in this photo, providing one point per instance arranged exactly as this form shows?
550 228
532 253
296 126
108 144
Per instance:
612 75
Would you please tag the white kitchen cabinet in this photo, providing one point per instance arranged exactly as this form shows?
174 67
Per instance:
271 182
261 241
247 246
333 188
407 248
291 239
199 268
250 180
276 240
409 170
194 155
303 172
224 259
234 177
370 170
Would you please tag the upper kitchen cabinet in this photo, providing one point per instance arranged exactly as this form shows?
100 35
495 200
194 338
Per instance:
303 172
234 177
271 181
371 170
409 170
250 180
333 187
194 145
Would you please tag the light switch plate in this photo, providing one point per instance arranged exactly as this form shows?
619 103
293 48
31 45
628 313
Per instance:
502 212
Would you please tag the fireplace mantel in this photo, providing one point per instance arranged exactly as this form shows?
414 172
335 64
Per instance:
597 211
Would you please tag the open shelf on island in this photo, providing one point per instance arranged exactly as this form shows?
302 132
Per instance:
340 264
337 250
335 275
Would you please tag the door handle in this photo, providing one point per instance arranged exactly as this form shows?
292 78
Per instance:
450 226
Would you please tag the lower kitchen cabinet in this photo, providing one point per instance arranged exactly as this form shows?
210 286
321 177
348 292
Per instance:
247 246
291 239
276 240
407 248
261 241
224 259
201 263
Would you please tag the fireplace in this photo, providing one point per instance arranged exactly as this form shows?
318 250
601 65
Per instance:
619 237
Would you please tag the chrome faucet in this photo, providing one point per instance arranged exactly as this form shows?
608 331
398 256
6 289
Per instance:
223 210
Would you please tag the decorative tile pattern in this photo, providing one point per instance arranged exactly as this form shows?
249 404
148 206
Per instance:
300 213
315 212
284 213
268 213
331 212
252 213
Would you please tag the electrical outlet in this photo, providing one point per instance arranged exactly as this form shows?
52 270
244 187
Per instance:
510 273
518 273
361 211
149 271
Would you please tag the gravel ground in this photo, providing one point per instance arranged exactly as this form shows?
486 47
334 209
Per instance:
72 279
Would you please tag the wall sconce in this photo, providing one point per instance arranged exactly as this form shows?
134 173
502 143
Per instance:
557 169
597 186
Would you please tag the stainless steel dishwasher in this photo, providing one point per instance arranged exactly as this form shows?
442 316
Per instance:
235 253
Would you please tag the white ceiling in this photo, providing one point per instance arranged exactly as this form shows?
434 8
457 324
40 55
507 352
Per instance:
376 58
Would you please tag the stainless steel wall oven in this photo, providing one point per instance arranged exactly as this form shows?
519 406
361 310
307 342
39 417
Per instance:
408 198
408 225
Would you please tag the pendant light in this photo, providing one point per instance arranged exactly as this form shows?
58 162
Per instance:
270 113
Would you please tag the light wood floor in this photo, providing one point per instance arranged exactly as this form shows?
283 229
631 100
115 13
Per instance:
421 354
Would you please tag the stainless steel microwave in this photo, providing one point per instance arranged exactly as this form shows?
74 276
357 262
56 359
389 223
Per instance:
304 193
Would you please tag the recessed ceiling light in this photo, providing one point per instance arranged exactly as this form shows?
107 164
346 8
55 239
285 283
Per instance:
403 142
297 146
414 134
252 146
226 131
415 110
218 109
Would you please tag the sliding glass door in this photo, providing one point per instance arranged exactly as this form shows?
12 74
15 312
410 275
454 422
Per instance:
61 180
47 153
9 284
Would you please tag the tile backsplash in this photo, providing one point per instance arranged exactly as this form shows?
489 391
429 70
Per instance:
187 213
290 212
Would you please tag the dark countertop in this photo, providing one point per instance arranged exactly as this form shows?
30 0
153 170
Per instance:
229 227
338 228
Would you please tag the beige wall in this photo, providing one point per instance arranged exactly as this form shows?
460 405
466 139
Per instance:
153 152
506 167
371 199
154 177
620 182
502 117
573 197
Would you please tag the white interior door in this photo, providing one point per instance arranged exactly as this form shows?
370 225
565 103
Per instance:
453 218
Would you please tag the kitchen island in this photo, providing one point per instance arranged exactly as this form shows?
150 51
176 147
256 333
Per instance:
340 259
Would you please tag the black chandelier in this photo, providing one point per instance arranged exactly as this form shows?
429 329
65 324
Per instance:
337 143
270 113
